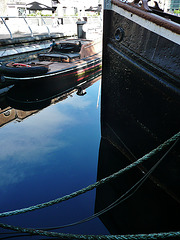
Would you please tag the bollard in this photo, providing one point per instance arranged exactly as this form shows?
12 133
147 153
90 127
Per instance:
80 32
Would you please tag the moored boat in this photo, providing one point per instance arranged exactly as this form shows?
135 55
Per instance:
70 57
140 107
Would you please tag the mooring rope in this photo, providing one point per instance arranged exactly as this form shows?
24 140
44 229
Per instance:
122 198
95 185
63 236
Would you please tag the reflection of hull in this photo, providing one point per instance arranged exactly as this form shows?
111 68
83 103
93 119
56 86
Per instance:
149 210
141 99
38 96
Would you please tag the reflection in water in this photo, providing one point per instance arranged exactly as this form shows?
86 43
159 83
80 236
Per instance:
148 210
50 154
22 101
51 123
54 153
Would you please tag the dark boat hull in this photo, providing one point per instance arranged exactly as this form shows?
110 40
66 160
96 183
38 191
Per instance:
88 65
141 82
141 95
38 96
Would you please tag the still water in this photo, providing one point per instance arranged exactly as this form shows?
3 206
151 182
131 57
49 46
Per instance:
48 154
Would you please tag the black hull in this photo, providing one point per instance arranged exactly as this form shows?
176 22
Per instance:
75 72
37 96
140 106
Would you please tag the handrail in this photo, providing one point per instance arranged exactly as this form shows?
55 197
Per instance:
28 26
7 27
39 25
25 17
46 25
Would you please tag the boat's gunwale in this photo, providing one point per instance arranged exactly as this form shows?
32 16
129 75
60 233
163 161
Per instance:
58 72
158 20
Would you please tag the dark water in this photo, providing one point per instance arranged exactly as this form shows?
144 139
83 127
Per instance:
52 152
47 155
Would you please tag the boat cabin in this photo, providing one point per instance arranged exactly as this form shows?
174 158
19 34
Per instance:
66 51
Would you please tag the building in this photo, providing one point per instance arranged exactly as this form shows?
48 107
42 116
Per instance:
3 8
175 5
16 7
62 8
76 7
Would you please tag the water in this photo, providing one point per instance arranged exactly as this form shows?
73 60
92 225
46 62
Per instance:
52 152
49 154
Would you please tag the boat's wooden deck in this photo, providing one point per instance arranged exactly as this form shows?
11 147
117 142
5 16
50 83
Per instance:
90 50
57 66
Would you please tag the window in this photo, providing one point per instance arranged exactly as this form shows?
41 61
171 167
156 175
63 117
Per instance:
21 12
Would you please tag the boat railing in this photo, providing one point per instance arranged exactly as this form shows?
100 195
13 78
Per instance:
155 8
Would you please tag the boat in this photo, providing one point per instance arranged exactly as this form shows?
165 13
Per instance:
66 58
140 110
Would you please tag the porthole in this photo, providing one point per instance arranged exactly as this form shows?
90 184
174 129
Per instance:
119 34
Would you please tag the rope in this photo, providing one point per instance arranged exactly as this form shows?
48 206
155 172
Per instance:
95 185
63 236
123 197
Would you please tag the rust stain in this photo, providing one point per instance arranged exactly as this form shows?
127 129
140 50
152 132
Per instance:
148 16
